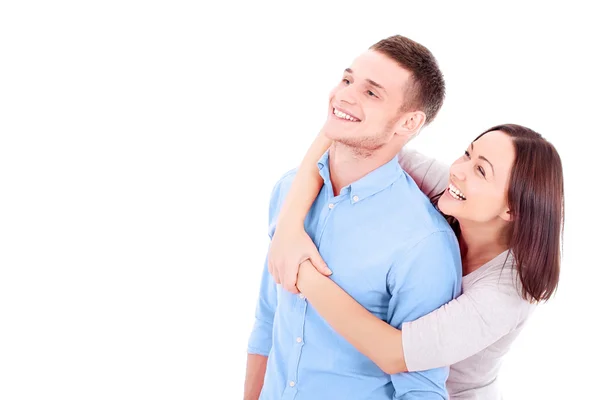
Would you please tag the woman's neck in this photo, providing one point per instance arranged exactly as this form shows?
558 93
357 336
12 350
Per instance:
480 243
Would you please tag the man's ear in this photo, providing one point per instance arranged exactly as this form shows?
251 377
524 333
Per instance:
410 124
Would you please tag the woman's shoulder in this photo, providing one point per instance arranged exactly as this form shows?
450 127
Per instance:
500 279
501 269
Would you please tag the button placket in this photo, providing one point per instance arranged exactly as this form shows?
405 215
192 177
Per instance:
301 306
323 217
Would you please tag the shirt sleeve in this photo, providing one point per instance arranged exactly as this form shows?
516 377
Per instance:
483 314
422 280
261 337
430 175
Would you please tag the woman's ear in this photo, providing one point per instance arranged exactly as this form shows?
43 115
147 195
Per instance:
506 215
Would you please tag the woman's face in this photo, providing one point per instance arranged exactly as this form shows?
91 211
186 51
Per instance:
479 180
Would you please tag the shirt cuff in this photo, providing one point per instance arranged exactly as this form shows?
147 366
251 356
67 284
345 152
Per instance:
261 338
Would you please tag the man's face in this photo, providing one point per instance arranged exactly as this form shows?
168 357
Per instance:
364 108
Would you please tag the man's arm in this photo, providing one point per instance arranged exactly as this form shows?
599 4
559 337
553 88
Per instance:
423 278
261 338
255 376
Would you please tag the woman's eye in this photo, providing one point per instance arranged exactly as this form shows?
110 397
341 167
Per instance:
467 154
371 93
481 170
346 81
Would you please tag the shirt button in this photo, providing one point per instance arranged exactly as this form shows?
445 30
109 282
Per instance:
292 383
301 296
355 198
330 206
299 340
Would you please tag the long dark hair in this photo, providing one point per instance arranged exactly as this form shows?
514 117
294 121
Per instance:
536 204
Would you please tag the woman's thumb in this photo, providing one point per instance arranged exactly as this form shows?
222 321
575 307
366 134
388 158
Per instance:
319 264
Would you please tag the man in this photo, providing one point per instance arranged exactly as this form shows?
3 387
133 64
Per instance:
381 237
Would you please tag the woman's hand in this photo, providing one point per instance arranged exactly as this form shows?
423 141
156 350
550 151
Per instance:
290 247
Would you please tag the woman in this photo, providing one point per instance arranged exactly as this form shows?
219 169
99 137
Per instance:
504 199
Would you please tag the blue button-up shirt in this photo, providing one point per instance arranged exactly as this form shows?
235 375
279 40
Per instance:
392 252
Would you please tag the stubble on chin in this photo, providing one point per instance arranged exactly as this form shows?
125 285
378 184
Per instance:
362 147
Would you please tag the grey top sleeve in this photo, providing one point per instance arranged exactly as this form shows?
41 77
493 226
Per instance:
429 174
487 310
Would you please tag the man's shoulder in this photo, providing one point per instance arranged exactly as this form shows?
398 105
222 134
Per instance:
286 179
278 193
282 187
416 209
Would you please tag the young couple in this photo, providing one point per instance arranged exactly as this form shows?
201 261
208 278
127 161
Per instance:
390 275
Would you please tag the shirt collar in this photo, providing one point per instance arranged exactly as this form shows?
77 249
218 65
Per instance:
374 182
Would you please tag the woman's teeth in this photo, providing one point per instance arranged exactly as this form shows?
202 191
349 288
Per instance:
455 192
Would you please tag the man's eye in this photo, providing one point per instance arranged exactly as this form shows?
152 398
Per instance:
346 81
371 93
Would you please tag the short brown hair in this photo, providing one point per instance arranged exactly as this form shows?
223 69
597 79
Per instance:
536 203
428 89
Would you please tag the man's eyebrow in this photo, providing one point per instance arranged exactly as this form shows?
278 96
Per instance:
377 85
371 82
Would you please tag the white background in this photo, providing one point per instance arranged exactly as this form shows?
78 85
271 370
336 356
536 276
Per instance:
140 141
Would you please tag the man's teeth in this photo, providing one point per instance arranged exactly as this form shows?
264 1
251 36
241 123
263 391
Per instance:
340 114
454 192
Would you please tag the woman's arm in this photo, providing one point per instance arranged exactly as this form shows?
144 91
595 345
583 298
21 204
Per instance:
429 174
376 339
290 244
460 329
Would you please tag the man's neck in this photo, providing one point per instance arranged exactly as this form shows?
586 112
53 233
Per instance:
347 165
481 242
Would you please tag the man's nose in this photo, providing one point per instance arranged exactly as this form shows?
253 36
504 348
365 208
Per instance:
347 94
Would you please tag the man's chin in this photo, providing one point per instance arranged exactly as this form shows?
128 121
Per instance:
335 132
332 132
329 134
345 140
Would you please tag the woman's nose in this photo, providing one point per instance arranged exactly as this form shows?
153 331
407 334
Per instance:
457 172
